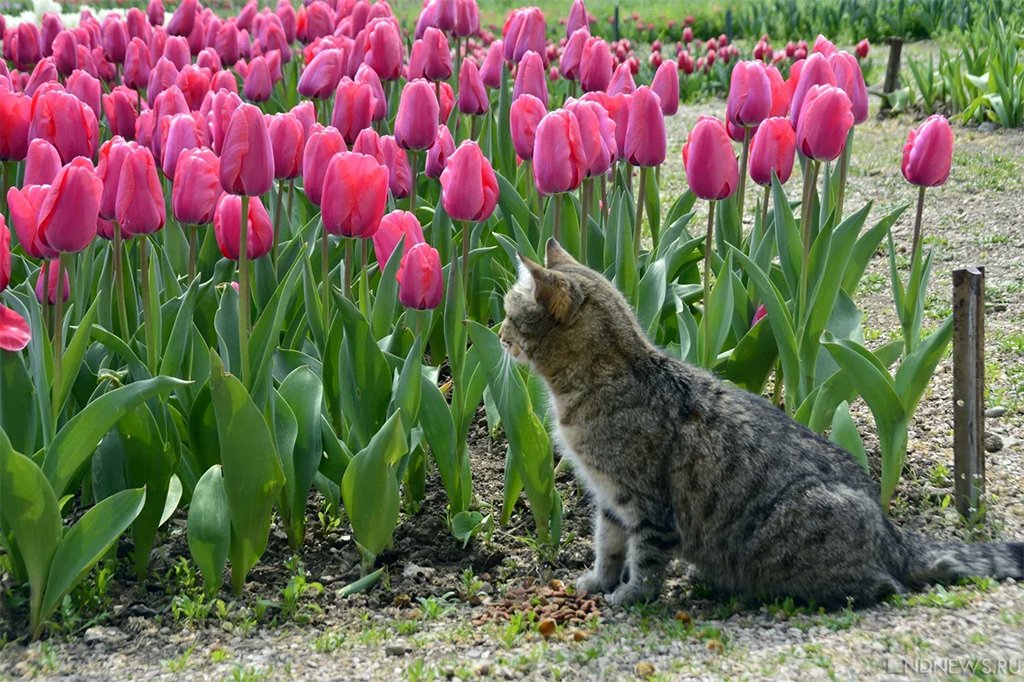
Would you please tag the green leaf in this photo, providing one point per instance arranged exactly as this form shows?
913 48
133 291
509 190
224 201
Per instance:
76 442
177 344
365 376
303 393
252 470
511 202
19 418
266 332
653 289
226 324
865 249
845 435
30 512
382 317
86 543
466 524
209 528
718 314
788 237
370 489
73 355
916 371
439 431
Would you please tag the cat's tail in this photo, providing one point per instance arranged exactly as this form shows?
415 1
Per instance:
933 562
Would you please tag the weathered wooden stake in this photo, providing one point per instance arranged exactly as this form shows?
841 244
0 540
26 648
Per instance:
892 71
969 387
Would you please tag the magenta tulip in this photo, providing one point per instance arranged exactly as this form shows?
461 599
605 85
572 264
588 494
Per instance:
598 133
42 163
569 64
139 207
490 71
824 123
246 158
227 225
531 78
595 65
469 187
321 146
524 30
559 159
928 153
524 117
709 161
814 71
24 204
645 134
850 78
399 170
358 197
420 279
287 141
353 108
68 215
417 118
772 148
666 86
394 227
178 133
472 99
196 189
439 153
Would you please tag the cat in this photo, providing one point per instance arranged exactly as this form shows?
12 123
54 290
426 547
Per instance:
679 463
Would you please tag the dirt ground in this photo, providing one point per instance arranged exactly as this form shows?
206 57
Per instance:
443 612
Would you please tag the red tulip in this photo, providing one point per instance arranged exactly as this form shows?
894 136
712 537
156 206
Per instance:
227 43
750 94
286 13
320 77
196 189
137 24
258 84
63 120
47 281
397 163
136 65
353 108
473 99
772 148
383 48
227 225
524 30
246 159
321 146
761 312
559 160
42 163
598 133
24 204
851 80
928 153
355 205
287 141
490 71
814 71
139 207
368 77
439 152
178 133
393 228
569 64
824 123
708 160
595 65
666 86
304 113
15 119
531 78
224 80
437 56
862 49
87 89
15 332
622 82
44 72
420 281
417 118
645 133
469 187
71 207
467 18
524 117
445 104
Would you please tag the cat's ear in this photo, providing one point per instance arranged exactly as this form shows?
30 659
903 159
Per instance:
550 289
556 255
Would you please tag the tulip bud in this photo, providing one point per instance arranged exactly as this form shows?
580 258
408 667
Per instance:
645 133
399 170
862 49
473 100
928 153
24 204
5 254
524 117
394 227
15 120
524 30
227 225
64 121
368 142
437 56
368 77
559 160
321 146
709 161
622 82
851 80
814 71
136 65
780 92
68 215
420 279
569 64
247 159
286 141
353 108
42 163
139 206
417 118
772 148
383 48
46 283
750 94
666 86
598 133
358 197
196 189
490 72
469 187
577 18
120 107
825 121
595 65
531 78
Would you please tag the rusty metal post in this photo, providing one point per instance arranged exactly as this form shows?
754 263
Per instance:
892 71
969 388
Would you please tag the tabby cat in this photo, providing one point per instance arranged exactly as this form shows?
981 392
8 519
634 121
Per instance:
681 464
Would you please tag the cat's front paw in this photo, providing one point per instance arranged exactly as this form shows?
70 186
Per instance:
632 593
593 582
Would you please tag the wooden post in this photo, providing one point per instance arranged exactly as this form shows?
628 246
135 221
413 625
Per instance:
618 33
892 71
728 24
969 388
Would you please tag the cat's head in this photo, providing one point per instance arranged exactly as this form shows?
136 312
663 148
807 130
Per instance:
563 314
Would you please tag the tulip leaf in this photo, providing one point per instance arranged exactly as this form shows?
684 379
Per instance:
365 376
75 443
226 324
466 524
652 204
653 289
73 355
115 345
252 470
19 418
209 527
682 205
370 489
303 393
717 314
787 236
177 343
382 317
917 368
625 260
439 431
753 358
511 202
86 543
865 249
844 434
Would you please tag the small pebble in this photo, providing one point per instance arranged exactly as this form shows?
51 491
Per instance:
993 442
643 669
995 412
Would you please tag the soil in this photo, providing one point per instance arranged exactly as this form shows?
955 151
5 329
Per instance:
500 609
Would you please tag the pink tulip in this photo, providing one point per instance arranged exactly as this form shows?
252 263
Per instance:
368 77
851 80
531 78
64 121
194 83
15 120
24 205
622 82
136 65
65 52
524 117
394 227
473 100
420 279
825 121
322 145
437 58
353 108
368 142
750 94
928 153
178 133
227 224
666 86
559 159
569 64
598 133
439 153
469 187
162 76
815 71
46 282
383 48
772 148
183 18
114 35
708 160
823 45
42 163
222 107
399 169
139 207
304 113
780 93
155 12
258 84
524 30
68 215
490 72
577 18
120 107
287 141
862 49
645 134
417 118
45 72
356 204
247 159
196 189
595 65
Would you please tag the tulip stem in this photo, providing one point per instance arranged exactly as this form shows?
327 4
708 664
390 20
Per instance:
412 182
243 290
192 238
585 190
641 189
604 201
473 128
291 205
844 164
122 311
557 228
325 282
741 193
917 225
347 276
465 258
764 210
58 333
147 309
810 184
277 224
364 280
705 320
